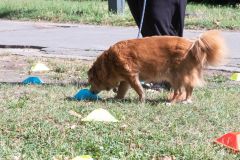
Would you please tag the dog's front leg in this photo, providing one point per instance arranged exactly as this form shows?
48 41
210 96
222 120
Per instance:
122 90
136 85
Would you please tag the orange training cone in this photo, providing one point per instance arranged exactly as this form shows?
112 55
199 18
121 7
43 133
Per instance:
230 140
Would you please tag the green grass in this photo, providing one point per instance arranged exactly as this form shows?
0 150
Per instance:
209 16
89 12
35 123
96 12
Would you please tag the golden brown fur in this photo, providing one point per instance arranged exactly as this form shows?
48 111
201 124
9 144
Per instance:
177 60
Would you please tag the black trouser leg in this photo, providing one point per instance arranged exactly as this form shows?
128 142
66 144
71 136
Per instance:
179 16
168 16
162 17
135 7
162 13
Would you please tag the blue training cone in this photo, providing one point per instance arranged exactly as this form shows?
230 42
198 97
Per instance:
85 94
32 80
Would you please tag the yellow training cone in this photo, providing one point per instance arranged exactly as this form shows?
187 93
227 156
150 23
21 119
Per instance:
235 77
39 67
100 115
83 157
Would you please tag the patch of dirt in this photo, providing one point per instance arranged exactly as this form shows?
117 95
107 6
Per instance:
16 68
12 68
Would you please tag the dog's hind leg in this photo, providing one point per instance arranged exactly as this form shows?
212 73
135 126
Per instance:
122 89
136 85
172 96
177 96
189 90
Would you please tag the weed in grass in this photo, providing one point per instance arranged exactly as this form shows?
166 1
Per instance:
60 69
18 103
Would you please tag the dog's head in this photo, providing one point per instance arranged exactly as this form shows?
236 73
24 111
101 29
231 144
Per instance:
99 75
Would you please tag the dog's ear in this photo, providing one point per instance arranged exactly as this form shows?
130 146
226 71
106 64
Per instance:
103 65
92 74
98 71
89 73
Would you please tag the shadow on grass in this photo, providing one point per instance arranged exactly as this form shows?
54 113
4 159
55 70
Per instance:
151 102
128 100
15 13
78 84
85 84
5 14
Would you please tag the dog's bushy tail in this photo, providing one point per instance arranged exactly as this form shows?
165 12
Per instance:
210 48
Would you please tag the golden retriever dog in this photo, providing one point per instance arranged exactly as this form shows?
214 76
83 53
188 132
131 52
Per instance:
177 60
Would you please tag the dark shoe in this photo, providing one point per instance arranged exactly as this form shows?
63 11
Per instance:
157 86
146 85
163 85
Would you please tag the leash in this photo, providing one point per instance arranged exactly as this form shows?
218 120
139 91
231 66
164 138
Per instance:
139 32
141 23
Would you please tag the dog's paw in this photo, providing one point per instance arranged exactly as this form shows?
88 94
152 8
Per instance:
188 101
142 99
168 103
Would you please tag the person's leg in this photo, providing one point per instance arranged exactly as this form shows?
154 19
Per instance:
162 12
162 17
136 10
179 16
148 28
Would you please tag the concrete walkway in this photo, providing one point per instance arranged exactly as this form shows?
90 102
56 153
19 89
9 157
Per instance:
87 41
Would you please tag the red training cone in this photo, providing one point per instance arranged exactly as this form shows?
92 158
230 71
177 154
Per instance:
230 140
